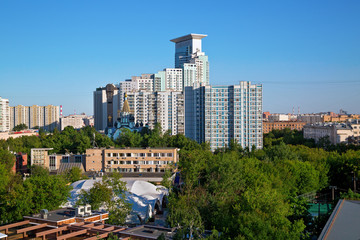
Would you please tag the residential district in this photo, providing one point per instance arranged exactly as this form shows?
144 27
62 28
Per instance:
178 100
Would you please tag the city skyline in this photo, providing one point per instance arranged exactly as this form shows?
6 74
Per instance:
304 54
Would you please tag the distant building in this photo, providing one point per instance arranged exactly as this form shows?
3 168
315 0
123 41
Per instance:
46 117
19 115
56 162
125 120
217 114
4 115
266 116
277 117
6 135
348 132
340 118
106 106
279 125
189 57
131 160
76 121
165 108
40 157
310 118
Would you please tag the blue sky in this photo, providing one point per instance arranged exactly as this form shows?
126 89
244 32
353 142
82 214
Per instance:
305 53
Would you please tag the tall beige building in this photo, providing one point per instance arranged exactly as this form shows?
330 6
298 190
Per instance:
4 115
19 114
51 117
46 117
36 116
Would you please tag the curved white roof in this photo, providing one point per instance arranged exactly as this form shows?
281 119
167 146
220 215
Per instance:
142 195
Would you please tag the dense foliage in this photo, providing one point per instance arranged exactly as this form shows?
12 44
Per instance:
67 141
20 197
237 193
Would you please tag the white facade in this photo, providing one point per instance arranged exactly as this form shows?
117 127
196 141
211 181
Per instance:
174 79
279 117
4 115
217 114
143 82
165 108
76 121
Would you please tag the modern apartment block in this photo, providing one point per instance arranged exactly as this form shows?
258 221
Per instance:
154 160
51 117
46 117
217 114
20 115
189 57
185 47
4 115
165 108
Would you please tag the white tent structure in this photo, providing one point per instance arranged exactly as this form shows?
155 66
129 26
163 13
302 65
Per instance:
146 198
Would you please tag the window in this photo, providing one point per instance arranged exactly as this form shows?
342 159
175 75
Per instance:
52 164
78 159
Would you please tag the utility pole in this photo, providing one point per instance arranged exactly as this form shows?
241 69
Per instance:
332 192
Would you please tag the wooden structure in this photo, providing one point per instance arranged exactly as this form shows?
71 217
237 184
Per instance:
62 224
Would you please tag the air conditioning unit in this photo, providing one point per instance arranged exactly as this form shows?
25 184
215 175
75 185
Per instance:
80 211
88 209
44 213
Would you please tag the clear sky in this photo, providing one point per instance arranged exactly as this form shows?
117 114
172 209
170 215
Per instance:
306 53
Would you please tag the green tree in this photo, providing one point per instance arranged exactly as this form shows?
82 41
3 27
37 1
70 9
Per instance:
74 174
49 191
20 127
110 194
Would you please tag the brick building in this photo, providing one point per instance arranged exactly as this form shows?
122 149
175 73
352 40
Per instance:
269 126
130 159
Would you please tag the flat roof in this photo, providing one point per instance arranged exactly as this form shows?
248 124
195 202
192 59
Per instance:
150 232
188 37
60 214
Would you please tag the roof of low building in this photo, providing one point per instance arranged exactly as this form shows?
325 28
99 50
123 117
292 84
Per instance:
343 222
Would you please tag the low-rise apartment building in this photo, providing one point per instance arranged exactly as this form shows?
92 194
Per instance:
131 159
56 162
348 132
279 125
